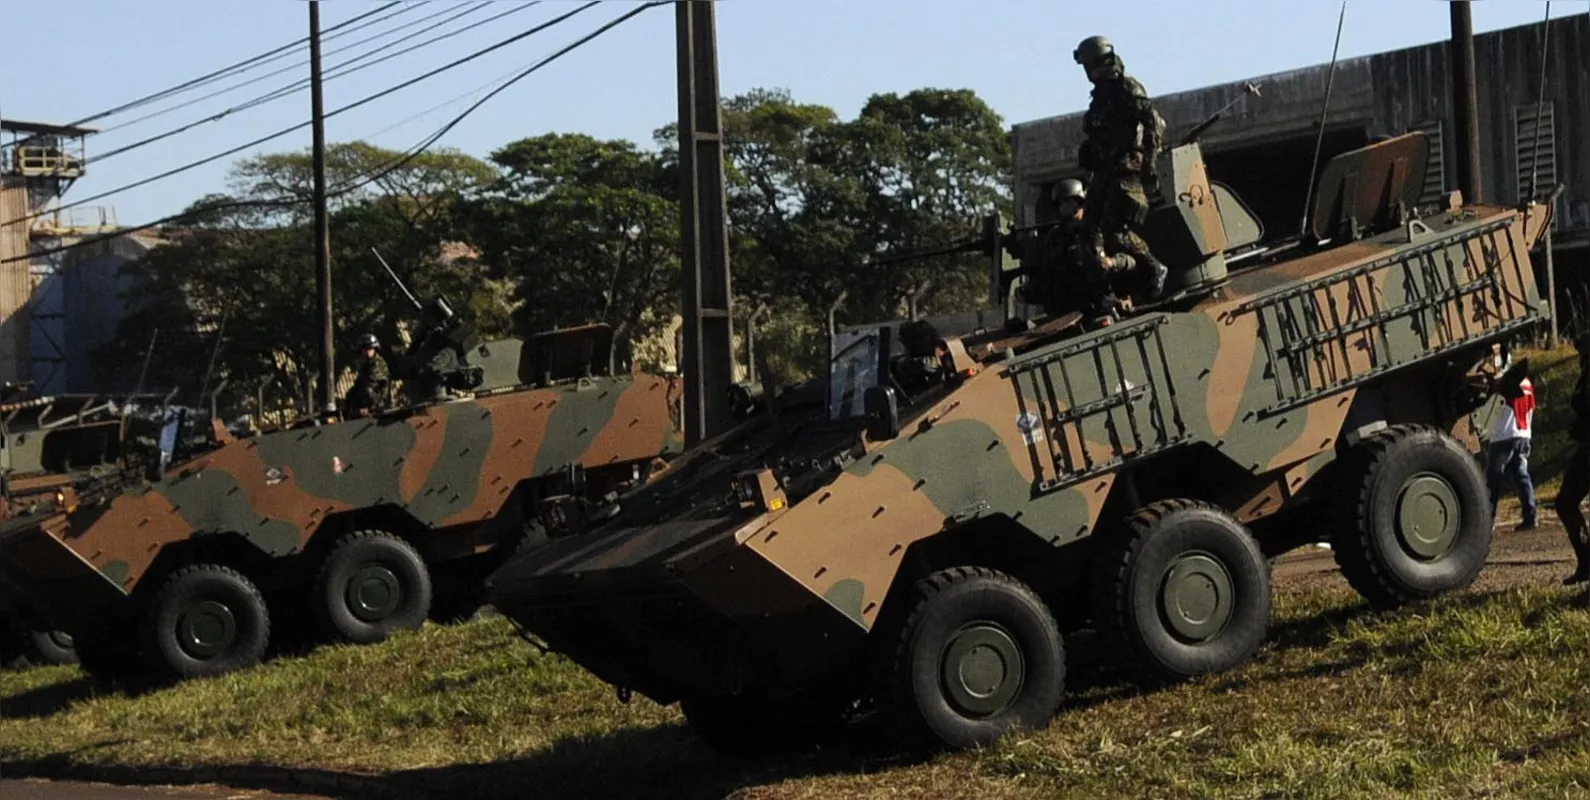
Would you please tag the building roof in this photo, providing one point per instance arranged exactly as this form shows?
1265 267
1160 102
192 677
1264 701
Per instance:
44 128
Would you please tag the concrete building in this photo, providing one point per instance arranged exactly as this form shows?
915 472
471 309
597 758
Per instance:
1263 147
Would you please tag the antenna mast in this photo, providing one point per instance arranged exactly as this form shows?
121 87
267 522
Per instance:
1319 142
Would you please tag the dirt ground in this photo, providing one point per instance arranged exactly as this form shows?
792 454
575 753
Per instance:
1518 558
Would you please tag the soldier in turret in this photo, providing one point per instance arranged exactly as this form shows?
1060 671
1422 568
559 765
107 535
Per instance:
372 387
1073 253
1123 133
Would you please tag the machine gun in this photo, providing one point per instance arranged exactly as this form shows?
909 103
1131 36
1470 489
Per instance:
1192 135
436 360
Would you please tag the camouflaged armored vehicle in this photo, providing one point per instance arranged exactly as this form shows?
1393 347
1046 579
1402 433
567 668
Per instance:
352 528
919 533
52 448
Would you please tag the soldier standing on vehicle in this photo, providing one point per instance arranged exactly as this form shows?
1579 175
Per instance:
1576 476
372 387
1123 133
1508 453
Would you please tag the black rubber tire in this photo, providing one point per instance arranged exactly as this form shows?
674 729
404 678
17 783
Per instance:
225 598
37 646
753 727
395 569
1366 540
1129 587
996 608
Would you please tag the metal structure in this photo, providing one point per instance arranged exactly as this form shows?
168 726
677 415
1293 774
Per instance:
707 360
40 162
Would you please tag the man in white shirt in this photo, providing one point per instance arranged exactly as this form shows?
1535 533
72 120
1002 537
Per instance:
1508 454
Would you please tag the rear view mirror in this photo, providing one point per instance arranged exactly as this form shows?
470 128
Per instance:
882 412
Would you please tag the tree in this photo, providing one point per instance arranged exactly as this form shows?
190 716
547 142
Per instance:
585 229
253 267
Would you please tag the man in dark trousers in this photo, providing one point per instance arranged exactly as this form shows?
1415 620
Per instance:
1576 477
1123 133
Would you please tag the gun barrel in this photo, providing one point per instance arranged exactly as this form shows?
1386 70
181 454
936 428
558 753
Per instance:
396 279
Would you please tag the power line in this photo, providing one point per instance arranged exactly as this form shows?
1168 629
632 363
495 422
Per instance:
300 126
300 85
298 65
354 185
225 71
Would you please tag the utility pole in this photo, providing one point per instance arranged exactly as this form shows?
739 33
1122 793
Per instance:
707 359
328 374
1465 102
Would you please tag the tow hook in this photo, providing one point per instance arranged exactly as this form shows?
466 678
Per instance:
623 695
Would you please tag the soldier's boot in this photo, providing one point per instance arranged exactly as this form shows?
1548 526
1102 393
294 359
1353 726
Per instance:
1155 274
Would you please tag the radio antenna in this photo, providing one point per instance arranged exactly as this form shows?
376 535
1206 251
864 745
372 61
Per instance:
1319 142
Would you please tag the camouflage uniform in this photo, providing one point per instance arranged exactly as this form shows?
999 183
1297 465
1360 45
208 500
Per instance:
1576 476
1123 134
372 387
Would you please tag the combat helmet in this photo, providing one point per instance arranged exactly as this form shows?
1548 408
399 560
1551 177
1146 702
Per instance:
368 340
1093 51
1069 189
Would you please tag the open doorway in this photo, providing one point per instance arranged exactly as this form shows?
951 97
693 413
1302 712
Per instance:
1272 178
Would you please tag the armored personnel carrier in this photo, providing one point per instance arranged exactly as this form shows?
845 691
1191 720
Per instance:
918 534
53 447
345 530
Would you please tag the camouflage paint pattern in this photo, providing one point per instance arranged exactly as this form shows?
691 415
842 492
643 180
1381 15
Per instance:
444 468
1264 377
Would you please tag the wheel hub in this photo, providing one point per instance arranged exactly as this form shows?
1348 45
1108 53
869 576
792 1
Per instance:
1196 597
373 593
206 629
982 669
1427 516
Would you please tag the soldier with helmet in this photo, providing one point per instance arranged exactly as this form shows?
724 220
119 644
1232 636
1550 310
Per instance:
1072 251
1123 134
372 387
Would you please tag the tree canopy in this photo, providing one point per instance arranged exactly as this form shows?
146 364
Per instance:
563 229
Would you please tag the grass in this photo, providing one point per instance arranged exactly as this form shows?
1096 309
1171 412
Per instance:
1470 696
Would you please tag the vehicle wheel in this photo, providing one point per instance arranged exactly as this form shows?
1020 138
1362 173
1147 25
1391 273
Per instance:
206 620
978 655
1416 517
749 727
39 646
371 584
1184 592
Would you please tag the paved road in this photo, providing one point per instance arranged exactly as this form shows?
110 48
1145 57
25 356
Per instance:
69 790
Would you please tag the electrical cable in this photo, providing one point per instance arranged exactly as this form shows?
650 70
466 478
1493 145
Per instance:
300 126
381 172
296 66
225 71
332 74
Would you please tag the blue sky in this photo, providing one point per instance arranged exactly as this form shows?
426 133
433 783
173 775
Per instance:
97 54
